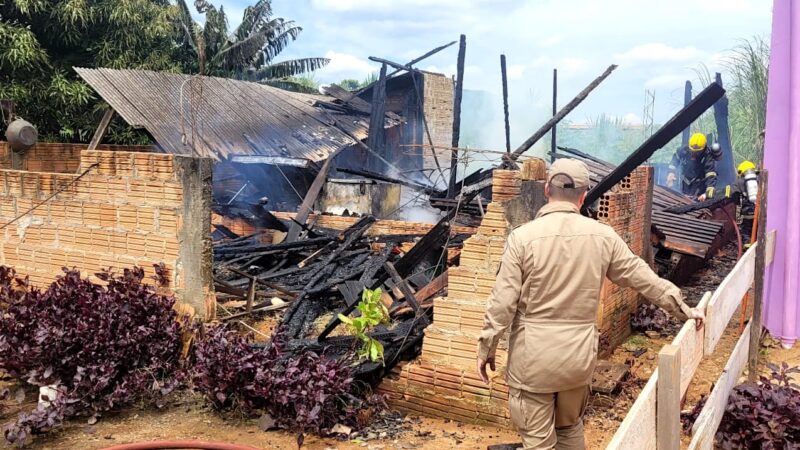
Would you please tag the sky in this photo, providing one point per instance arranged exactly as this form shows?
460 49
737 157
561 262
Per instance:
657 45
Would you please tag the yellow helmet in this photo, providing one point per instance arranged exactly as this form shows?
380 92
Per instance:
745 166
697 142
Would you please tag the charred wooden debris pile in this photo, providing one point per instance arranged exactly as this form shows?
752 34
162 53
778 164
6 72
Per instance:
323 273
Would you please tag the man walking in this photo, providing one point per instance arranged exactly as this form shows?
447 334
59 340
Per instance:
547 290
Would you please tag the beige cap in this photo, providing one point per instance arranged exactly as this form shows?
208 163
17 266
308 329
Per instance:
569 173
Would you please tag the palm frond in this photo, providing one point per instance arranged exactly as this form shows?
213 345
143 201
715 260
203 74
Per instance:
252 19
241 54
280 35
290 68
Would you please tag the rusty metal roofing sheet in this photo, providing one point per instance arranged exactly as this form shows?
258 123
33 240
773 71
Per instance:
218 118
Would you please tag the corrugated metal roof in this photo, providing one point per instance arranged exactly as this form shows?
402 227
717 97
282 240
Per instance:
221 117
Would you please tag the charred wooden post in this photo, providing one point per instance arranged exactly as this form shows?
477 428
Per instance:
512 157
504 80
376 139
553 132
311 196
687 98
726 169
462 50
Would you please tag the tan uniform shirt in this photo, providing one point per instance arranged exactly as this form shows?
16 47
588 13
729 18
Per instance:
548 290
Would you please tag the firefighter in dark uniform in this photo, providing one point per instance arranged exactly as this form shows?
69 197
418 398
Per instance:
698 168
747 190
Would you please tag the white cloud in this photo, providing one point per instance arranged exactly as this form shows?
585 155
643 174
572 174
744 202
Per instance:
658 52
573 64
551 41
670 80
343 64
515 71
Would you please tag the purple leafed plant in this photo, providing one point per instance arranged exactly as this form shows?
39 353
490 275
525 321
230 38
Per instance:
302 392
764 415
102 346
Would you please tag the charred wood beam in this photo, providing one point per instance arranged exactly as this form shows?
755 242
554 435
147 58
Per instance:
726 170
457 95
408 294
512 157
687 98
504 80
311 196
414 71
376 139
388 179
431 244
580 154
660 138
275 248
555 111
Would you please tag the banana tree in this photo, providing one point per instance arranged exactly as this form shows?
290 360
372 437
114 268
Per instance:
248 52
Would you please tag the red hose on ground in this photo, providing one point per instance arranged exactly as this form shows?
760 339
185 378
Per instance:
178 444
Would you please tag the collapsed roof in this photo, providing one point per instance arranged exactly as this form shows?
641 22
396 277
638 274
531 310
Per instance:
224 119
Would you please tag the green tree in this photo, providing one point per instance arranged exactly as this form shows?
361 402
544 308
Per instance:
349 84
249 51
747 93
42 40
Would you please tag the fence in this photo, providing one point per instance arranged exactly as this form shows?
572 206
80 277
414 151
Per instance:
653 421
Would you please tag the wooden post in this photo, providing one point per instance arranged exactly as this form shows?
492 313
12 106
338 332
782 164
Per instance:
101 128
668 399
687 98
504 80
311 196
251 295
758 281
555 110
459 90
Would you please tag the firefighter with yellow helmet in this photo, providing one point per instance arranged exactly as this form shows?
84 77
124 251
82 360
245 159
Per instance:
747 188
698 167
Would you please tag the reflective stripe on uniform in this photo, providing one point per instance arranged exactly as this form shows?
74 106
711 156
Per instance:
711 174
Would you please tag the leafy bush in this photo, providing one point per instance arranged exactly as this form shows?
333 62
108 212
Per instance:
373 313
304 392
649 317
101 346
765 415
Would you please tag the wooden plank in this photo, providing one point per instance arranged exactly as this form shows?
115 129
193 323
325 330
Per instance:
310 198
707 422
690 341
638 430
668 398
101 128
251 295
758 282
727 297
770 247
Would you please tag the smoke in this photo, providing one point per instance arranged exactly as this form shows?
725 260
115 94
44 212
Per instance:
415 208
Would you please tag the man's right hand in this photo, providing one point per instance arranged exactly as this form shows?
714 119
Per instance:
482 368
699 317
671 179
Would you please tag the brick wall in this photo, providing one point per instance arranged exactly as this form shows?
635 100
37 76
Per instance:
438 108
443 381
129 209
57 157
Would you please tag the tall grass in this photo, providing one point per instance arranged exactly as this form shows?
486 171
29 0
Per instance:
747 68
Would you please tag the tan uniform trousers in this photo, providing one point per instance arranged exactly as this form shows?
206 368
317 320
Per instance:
549 421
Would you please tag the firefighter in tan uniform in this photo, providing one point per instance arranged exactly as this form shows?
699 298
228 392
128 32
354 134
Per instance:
548 290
